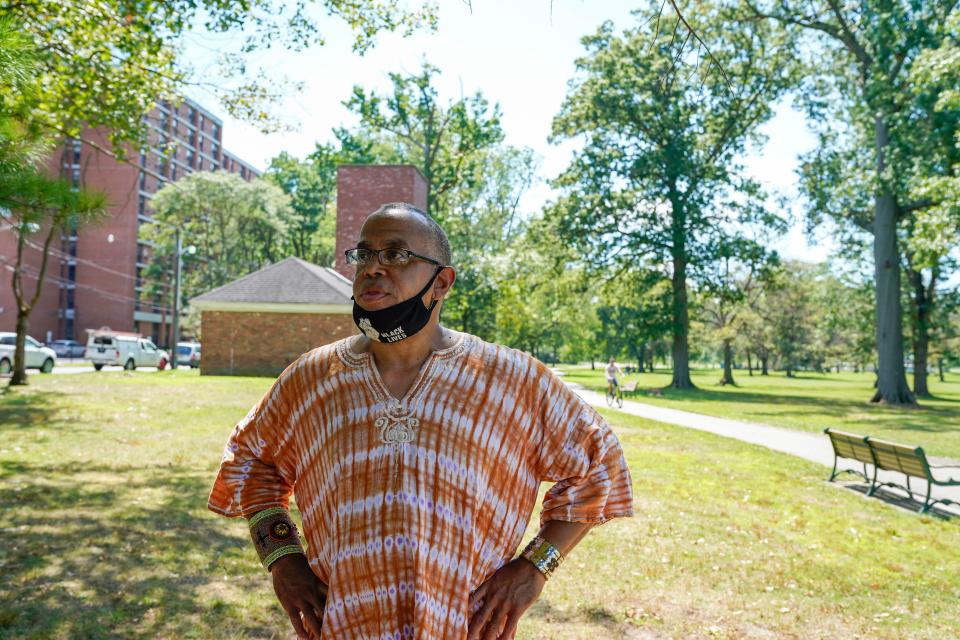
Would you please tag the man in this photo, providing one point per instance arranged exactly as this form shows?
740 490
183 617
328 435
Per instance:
415 453
612 371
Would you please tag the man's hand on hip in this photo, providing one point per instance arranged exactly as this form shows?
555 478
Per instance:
505 596
301 594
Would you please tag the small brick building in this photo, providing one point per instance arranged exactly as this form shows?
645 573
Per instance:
259 324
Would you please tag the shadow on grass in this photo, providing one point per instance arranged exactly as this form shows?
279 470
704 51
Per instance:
593 614
114 552
897 499
25 410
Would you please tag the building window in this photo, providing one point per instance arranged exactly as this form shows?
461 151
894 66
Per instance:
72 272
190 157
143 181
214 149
77 147
70 297
201 144
201 123
173 171
215 131
191 114
193 137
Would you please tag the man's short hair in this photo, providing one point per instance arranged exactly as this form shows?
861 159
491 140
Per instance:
438 237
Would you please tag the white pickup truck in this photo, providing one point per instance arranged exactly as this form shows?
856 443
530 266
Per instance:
120 348
38 356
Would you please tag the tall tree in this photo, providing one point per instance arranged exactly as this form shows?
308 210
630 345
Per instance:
734 289
31 204
858 88
657 180
791 311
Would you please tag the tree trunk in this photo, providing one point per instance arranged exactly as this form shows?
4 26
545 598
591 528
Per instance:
920 319
749 363
727 363
20 357
23 307
764 371
681 319
940 369
892 386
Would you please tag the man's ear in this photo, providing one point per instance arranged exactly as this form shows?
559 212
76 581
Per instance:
443 282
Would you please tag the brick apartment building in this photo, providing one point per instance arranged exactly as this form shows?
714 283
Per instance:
95 277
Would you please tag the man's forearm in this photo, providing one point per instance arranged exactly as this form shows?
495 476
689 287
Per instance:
565 535
274 535
555 540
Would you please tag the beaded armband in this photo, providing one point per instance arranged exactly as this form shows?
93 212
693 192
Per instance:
274 535
544 556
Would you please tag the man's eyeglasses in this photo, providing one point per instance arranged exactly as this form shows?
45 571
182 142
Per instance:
389 257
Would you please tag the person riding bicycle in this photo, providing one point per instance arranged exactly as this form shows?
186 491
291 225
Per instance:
612 371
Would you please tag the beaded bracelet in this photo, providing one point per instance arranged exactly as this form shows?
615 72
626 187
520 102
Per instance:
274 535
544 556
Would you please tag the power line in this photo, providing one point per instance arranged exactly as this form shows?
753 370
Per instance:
116 297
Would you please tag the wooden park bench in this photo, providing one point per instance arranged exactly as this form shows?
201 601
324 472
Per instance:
853 447
889 456
630 387
910 461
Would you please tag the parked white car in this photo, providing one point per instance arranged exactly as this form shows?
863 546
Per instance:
126 349
188 354
38 356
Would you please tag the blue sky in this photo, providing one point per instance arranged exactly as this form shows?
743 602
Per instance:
520 54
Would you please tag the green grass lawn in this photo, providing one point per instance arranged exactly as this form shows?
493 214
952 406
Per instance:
103 486
808 402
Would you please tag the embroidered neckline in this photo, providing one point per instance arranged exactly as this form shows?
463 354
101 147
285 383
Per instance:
375 381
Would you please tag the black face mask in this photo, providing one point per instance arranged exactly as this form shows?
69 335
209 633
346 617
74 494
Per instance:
398 321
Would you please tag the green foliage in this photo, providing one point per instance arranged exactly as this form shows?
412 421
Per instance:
107 63
311 185
236 226
634 313
34 206
845 318
483 221
443 141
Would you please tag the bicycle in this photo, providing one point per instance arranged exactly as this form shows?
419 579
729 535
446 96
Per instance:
614 396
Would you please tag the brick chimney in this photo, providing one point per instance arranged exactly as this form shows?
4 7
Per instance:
361 189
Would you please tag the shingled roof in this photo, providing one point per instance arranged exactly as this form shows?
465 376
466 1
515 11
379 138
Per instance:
289 282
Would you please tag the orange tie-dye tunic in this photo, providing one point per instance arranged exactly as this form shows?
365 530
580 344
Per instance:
409 505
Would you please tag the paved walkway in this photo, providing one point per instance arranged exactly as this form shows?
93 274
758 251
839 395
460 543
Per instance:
811 446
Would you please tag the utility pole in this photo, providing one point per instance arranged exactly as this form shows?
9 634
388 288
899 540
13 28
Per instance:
176 301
